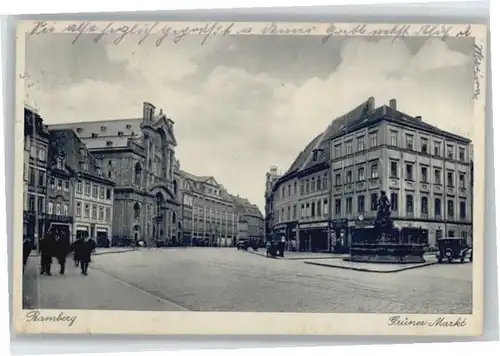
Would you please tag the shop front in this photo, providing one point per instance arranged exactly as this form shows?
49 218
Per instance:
291 237
339 238
102 236
60 225
34 226
82 231
314 236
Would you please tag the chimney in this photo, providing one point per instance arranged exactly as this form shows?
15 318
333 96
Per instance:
418 118
393 104
371 103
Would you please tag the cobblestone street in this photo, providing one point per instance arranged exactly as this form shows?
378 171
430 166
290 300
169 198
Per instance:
224 279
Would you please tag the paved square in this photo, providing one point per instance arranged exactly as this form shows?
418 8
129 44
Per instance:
224 279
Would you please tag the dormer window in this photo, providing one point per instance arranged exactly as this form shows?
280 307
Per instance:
94 135
128 126
120 133
109 143
79 130
103 128
59 163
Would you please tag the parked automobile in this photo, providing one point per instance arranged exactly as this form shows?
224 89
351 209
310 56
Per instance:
453 248
272 249
242 244
102 241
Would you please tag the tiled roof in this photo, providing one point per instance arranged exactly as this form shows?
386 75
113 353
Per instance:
193 177
299 161
338 126
321 143
112 133
406 119
244 206
104 128
76 152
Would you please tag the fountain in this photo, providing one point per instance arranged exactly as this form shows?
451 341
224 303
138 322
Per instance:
383 243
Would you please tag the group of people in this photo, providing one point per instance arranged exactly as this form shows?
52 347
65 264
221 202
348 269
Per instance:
57 244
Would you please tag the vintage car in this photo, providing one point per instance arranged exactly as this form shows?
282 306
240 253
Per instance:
453 248
242 244
272 249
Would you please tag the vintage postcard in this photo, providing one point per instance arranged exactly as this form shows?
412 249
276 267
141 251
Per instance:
249 178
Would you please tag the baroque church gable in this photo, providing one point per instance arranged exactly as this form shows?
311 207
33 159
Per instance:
212 181
167 126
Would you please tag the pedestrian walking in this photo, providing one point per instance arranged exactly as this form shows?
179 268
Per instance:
62 249
46 253
77 250
27 248
86 251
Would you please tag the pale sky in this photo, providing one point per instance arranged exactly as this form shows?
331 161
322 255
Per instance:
243 104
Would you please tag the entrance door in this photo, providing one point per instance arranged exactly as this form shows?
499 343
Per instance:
137 233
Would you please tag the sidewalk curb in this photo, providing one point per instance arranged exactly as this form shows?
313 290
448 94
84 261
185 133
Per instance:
109 252
299 258
94 254
426 264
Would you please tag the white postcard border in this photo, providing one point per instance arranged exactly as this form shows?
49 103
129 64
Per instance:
252 323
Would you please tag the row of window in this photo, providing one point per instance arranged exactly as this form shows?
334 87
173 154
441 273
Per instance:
60 209
95 190
56 183
212 213
52 209
32 177
38 152
409 175
394 141
40 203
93 211
310 185
316 209
307 210
409 206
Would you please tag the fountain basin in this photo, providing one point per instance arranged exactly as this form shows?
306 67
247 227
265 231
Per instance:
387 253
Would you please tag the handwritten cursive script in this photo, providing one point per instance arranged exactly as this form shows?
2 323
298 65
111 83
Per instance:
478 60
440 322
37 316
177 32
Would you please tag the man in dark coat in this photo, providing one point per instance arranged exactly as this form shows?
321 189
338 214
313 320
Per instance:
27 247
86 250
46 253
62 249
77 250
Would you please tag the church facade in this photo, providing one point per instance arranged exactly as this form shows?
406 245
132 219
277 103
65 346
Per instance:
138 154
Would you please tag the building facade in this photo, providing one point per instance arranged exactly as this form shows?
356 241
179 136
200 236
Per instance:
425 172
271 178
251 223
138 155
36 141
92 193
208 212
334 184
60 192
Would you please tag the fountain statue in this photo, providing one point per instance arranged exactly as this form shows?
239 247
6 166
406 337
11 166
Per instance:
384 243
